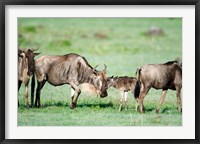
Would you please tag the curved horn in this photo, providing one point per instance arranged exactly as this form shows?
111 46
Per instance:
34 49
95 68
104 70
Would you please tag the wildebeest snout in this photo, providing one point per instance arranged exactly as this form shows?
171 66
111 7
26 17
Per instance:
103 95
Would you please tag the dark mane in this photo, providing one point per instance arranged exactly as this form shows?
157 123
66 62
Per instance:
81 57
170 62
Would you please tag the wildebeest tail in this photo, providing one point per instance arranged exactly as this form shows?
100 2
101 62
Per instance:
137 86
32 88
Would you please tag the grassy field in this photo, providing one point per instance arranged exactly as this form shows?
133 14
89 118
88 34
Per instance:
121 44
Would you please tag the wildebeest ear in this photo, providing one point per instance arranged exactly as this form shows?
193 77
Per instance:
37 53
20 55
109 78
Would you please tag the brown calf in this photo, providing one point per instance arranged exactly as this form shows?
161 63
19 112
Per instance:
123 84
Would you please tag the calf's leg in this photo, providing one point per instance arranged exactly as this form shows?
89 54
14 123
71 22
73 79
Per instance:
121 100
125 100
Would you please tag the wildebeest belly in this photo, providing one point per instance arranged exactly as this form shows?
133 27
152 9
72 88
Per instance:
163 84
55 80
58 76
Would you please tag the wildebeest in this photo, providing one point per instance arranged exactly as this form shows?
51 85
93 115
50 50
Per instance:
71 69
25 68
123 84
159 76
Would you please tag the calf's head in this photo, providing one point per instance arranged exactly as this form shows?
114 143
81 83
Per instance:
100 81
110 81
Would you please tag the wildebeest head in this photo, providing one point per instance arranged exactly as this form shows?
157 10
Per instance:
29 57
100 81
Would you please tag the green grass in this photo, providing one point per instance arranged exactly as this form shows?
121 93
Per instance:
119 43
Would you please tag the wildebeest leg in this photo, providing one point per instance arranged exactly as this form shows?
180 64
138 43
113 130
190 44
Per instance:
178 94
125 100
19 85
136 105
141 98
32 89
26 95
38 91
162 99
121 100
72 94
74 99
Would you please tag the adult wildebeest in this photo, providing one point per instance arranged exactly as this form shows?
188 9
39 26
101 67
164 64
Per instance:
25 69
123 84
71 69
159 76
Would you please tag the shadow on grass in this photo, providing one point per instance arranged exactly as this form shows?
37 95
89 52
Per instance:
164 110
104 105
58 104
82 105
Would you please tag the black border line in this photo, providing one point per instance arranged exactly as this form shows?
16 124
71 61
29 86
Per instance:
2 73
197 59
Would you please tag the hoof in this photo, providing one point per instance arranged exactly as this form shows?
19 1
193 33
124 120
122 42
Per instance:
32 105
37 106
120 109
157 110
73 105
142 111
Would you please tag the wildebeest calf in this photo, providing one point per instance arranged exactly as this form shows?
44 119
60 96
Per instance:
159 76
89 89
71 69
25 68
123 84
